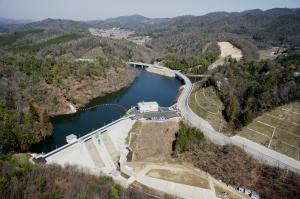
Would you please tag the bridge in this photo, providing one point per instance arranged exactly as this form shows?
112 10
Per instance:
102 147
154 68
103 105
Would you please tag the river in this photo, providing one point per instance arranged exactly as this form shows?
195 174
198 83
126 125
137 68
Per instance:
146 87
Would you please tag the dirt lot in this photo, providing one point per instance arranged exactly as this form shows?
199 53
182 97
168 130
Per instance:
267 54
227 49
183 177
154 141
226 194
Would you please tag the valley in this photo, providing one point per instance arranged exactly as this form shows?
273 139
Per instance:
119 92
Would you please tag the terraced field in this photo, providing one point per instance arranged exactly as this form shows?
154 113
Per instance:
207 105
278 129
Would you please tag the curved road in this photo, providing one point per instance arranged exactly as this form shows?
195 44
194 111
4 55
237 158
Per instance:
260 152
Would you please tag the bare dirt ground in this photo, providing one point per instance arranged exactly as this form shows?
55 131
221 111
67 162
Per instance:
223 193
154 141
152 158
267 53
183 177
227 49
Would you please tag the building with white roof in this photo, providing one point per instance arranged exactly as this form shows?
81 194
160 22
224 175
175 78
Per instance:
71 138
148 107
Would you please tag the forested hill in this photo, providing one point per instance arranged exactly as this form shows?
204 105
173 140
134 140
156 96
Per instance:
42 74
185 36
248 30
251 88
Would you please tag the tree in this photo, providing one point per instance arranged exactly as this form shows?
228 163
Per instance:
45 120
233 109
114 193
34 113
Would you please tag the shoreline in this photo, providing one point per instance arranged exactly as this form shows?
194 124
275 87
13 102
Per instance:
72 108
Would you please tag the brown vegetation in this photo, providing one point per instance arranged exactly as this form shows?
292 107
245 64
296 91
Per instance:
23 180
234 166
154 141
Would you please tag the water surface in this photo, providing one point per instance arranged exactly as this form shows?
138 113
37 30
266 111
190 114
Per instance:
146 87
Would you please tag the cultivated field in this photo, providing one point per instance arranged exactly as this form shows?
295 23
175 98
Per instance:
278 129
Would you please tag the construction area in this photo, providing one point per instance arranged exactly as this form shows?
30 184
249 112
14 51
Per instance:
152 146
227 50
277 129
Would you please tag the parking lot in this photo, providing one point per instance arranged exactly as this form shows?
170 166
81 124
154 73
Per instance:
164 113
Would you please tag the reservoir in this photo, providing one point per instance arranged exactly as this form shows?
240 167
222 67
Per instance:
100 111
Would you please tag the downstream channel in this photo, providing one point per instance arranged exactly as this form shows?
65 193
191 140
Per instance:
146 87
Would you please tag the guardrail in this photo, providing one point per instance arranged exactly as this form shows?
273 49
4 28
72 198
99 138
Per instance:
219 138
83 138
278 159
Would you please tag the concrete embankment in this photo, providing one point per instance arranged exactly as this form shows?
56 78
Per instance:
160 71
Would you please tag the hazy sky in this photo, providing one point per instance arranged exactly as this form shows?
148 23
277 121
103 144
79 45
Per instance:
101 9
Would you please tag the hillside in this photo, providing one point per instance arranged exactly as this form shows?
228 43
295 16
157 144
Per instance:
21 179
41 75
248 30
266 84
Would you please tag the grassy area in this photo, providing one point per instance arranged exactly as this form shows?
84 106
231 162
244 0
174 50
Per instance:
9 39
132 136
38 46
208 106
278 129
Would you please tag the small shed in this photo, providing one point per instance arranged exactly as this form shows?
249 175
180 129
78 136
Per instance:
71 138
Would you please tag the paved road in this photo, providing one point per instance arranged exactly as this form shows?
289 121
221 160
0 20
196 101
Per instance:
269 156
260 152
173 188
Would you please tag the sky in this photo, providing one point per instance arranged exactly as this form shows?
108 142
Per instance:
102 9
